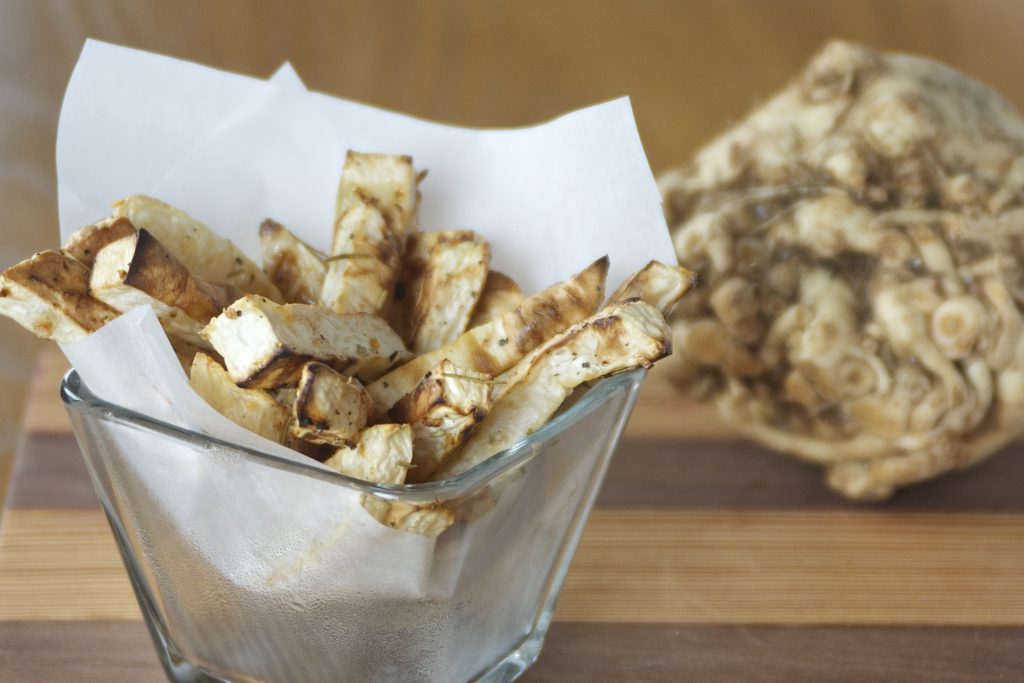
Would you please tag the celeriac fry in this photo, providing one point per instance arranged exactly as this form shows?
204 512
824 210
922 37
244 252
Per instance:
427 521
329 407
141 262
501 294
317 451
443 409
410 277
254 409
48 295
660 285
418 246
205 253
85 243
382 455
455 269
498 345
374 212
136 270
291 265
619 337
265 345
386 181
366 258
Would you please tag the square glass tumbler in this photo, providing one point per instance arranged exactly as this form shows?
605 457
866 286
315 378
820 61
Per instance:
236 583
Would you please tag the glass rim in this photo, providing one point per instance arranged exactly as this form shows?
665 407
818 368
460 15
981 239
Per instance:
77 397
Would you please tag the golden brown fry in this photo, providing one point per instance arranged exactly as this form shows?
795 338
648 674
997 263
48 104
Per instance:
382 455
453 275
265 345
329 407
254 409
317 451
373 214
425 520
292 266
367 255
139 261
660 285
137 270
48 295
496 346
410 279
501 294
620 337
443 409
85 243
385 181
205 253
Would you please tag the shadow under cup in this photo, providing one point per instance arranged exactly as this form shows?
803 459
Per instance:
250 567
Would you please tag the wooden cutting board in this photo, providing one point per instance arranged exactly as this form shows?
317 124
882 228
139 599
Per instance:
707 559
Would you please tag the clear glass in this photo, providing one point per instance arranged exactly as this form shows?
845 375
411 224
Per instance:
235 586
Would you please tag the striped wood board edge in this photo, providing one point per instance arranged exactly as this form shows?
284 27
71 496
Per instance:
707 558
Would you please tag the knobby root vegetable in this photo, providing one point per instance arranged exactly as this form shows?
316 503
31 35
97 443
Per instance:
860 241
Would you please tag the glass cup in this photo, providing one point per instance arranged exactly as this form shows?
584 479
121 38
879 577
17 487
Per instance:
250 567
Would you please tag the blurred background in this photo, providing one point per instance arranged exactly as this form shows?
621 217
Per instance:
690 66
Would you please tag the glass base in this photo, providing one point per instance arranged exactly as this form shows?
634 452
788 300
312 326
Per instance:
180 670
518 660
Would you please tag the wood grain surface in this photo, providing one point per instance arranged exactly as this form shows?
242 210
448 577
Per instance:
637 565
706 558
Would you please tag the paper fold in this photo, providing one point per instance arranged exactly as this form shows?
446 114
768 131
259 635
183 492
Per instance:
232 150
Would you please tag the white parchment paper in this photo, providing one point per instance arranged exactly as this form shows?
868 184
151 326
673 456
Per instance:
233 150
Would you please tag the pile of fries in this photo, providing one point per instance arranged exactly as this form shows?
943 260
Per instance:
398 358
